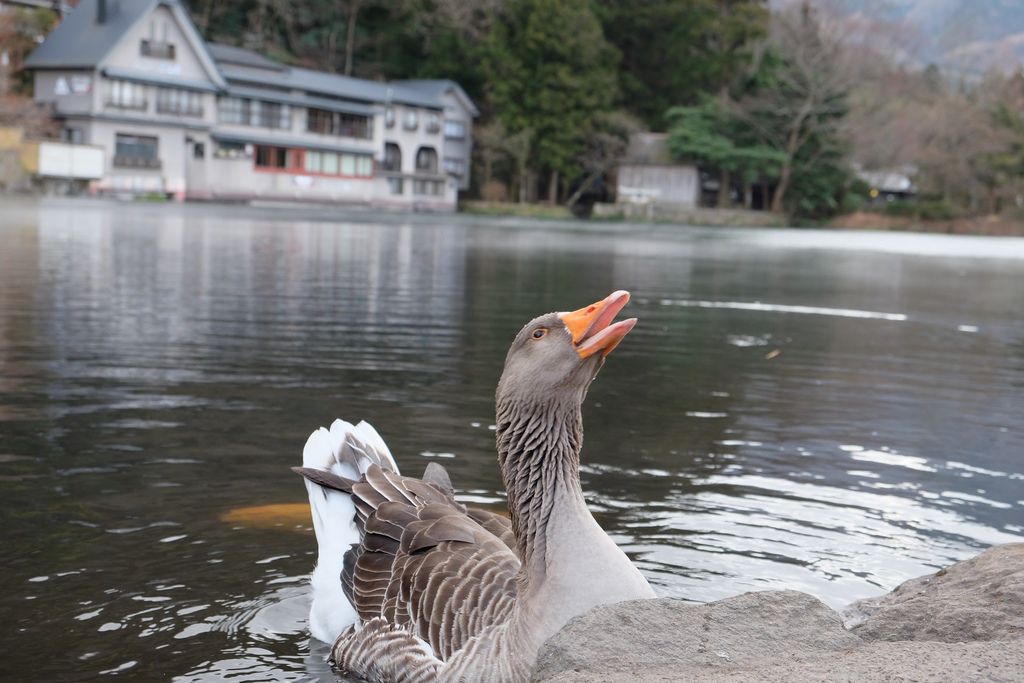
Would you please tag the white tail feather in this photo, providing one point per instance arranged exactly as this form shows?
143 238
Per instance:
346 450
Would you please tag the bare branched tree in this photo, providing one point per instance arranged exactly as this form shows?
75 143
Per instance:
605 146
806 99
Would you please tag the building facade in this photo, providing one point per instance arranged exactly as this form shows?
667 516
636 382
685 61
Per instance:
647 175
189 119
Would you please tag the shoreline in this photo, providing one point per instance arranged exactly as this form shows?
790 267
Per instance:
963 623
923 244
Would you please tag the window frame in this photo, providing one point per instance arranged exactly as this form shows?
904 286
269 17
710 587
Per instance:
461 127
338 124
125 144
410 120
179 101
125 94
432 166
296 162
433 123
392 163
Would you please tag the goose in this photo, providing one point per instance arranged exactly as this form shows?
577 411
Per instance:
412 586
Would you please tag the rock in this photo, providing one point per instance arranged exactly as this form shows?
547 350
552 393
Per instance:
975 600
789 637
645 639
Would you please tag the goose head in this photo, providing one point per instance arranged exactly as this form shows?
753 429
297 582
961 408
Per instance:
556 356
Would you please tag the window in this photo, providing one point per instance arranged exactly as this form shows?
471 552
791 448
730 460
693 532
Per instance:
364 165
330 163
157 46
348 164
157 49
247 112
429 187
339 123
314 162
454 130
233 110
272 115
136 151
127 95
392 157
395 185
318 121
72 135
411 119
426 160
198 151
433 122
456 167
232 150
389 117
177 101
271 157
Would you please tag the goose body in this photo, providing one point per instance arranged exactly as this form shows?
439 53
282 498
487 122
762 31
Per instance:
412 586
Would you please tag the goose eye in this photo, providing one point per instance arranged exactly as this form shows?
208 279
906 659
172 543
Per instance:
539 332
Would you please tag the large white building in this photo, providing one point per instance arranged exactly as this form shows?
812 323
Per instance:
190 119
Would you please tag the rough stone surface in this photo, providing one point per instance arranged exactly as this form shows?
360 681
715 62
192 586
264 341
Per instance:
790 637
653 635
978 599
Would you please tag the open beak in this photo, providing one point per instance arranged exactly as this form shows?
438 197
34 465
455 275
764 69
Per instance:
592 329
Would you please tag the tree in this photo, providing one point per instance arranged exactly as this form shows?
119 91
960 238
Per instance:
20 32
495 144
550 71
676 51
711 135
605 145
799 100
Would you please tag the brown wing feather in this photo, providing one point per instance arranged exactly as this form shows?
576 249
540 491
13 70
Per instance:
497 524
426 563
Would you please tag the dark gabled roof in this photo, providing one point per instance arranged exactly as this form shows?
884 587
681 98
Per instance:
230 54
436 88
80 42
648 149
245 67
301 99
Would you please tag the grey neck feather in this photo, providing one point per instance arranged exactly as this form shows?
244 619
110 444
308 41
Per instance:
539 454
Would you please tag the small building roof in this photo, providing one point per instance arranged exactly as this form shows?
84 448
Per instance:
896 180
648 149
437 88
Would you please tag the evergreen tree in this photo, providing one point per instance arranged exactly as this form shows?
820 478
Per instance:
676 51
550 71
710 135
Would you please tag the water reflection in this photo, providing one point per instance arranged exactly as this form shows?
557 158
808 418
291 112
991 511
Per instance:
819 411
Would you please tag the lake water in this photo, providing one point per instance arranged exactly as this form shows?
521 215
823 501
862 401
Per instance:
827 412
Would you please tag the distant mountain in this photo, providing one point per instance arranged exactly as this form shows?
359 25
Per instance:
961 36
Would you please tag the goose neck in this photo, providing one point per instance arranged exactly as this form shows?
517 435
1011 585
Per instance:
538 450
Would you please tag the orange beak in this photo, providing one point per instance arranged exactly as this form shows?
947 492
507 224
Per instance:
592 329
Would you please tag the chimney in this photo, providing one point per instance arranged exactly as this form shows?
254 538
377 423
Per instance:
101 11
